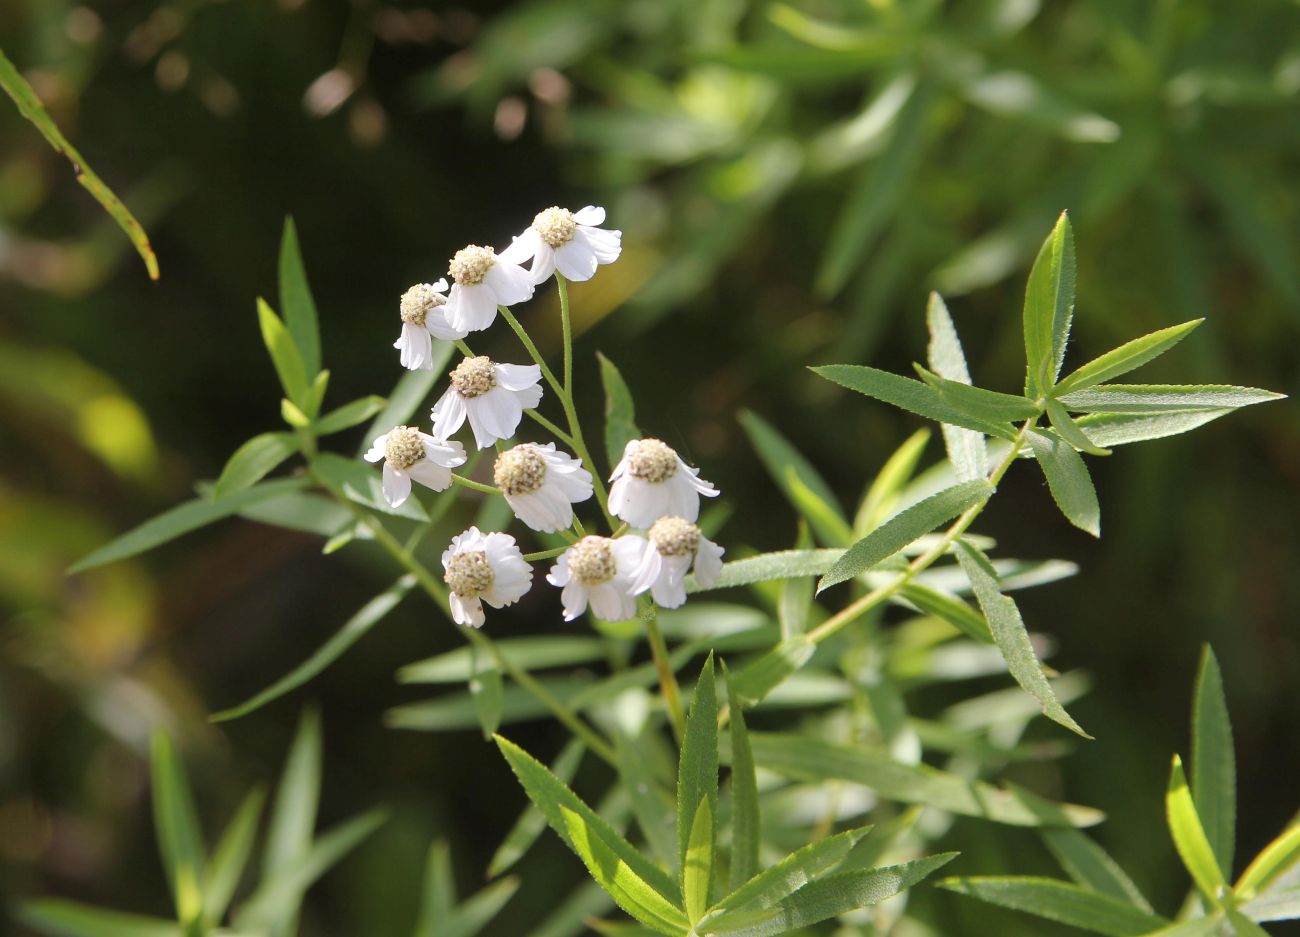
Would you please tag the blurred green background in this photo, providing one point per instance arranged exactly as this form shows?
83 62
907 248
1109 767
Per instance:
791 178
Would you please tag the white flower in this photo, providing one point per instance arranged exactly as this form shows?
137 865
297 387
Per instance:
424 318
598 570
493 396
483 568
570 242
410 454
542 485
651 481
484 280
674 544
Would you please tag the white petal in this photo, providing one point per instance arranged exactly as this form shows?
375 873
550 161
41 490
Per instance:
518 376
448 413
440 285
471 308
466 611
443 452
538 511
377 448
670 588
559 574
708 562
628 551
574 599
576 260
521 248
606 245
439 326
641 503
416 347
543 263
646 571
437 477
611 603
397 486
511 283
680 498
592 214
622 463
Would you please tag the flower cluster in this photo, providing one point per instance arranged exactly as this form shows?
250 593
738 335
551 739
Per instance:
653 491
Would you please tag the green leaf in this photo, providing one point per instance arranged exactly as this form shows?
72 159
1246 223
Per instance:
1189 836
230 857
411 390
1125 358
302 511
765 567
292 819
176 825
293 414
828 897
788 467
1049 307
527 653
790 874
29 105
1118 429
1091 866
746 819
1281 905
284 355
1059 901
986 405
1163 398
1243 926
795 599
296 300
363 484
316 393
629 891
349 415
1214 772
531 822
181 520
908 394
1067 429
1068 479
811 759
1010 635
352 631
697 768
438 898
761 676
70 919
552 797
883 493
966 450
1197 927
620 411
253 460
905 527
697 867
477 910
951 609
1273 860
1018 95
486 689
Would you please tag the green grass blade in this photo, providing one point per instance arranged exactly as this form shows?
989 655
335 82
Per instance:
296 301
908 394
1126 357
697 768
60 918
1059 901
787 468
905 527
1049 307
620 411
883 493
230 857
253 460
1010 635
746 818
1068 480
1189 836
1213 763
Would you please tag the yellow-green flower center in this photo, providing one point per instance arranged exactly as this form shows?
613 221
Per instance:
652 461
469 574
591 561
404 447
418 302
520 471
556 226
474 377
471 264
673 536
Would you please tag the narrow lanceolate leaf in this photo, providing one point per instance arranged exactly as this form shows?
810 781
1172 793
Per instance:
176 825
828 897
632 893
966 449
550 794
253 460
620 412
1280 905
783 461
783 564
1049 307
29 105
1010 635
795 600
352 631
1066 428
904 527
1126 357
181 520
1275 859
292 820
883 493
476 911
438 900
488 693
982 404
531 822
284 354
1069 481
1189 836
697 768
1197 927
824 517
349 415
810 759
1091 866
908 394
764 674
230 857
950 608
1242 926
296 301
1119 429
1060 901
1164 398
70 919
527 653
1213 766
746 835
791 873
697 869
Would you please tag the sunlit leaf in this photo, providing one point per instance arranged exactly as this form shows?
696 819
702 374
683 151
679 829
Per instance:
1069 431
292 820
1049 307
697 865
908 394
296 301
985 405
411 390
531 822
951 609
349 415
757 679
788 468
230 857
1273 860
69 919
1059 901
965 447
363 483
1091 866
790 874
746 819
285 356
1125 358
176 825
253 460
1162 398
1213 763
485 687
697 769
765 567
1069 481
1189 836
527 653
883 493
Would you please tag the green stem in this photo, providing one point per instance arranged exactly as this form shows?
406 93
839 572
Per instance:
544 554
476 486
672 693
533 352
566 326
550 427
882 594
